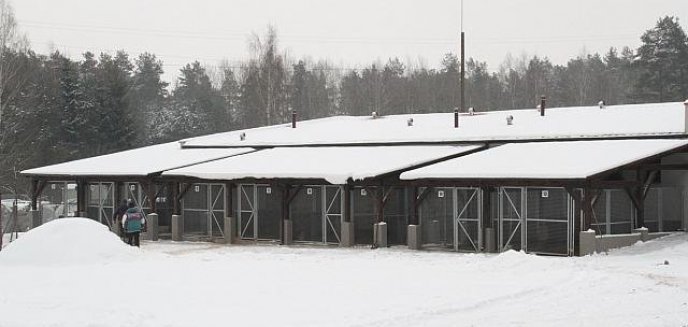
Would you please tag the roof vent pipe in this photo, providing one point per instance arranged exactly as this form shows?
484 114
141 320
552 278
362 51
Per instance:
601 104
509 120
242 136
471 111
542 105
374 114
409 122
293 119
456 117
685 114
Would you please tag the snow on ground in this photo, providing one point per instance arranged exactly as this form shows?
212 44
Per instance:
200 284
63 242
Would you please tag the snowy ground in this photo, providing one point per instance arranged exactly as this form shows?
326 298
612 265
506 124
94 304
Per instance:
103 283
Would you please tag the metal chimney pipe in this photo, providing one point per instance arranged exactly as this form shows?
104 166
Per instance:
685 114
542 105
456 117
293 119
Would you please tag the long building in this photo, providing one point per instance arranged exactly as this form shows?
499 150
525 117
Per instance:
556 181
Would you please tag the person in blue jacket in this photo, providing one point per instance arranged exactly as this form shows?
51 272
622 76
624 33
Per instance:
133 222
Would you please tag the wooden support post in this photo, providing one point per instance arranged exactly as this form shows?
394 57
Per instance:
34 195
118 193
638 195
587 209
413 218
176 197
229 196
182 192
633 194
379 204
640 208
347 204
487 208
148 188
578 204
418 200
288 195
80 196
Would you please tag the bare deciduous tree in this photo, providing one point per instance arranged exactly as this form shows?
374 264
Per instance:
12 45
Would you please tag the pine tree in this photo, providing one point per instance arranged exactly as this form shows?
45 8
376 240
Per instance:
299 95
662 62
449 92
230 93
393 88
114 121
147 95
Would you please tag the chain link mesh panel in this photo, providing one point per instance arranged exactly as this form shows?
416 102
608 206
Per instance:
269 212
621 212
396 216
651 209
511 209
467 219
58 200
599 221
436 218
100 202
363 212
334 200
547 223
672 209
217 210
247 211
195 204
306 214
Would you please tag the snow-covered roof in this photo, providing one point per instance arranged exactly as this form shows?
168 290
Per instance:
558 123
137 162
545 160
336 165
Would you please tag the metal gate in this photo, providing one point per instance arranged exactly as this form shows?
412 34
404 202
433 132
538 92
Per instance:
204 210
467 222
59 200
653 210
613 212
101 202
437 214
548 225
259 215
136 193
246 206
333 205
510 218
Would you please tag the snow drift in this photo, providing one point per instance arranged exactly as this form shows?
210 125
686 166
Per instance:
66 241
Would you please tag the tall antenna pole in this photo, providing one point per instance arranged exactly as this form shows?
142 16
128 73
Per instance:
462 106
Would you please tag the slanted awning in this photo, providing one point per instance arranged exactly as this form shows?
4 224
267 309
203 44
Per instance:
546 160
136 163
336 165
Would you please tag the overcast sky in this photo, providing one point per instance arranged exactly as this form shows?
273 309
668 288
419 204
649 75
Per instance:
350 33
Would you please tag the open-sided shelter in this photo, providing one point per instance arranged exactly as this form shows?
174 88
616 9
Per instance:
559 181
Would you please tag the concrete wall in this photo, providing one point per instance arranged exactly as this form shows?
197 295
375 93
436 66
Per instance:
591 243
414 237
605 243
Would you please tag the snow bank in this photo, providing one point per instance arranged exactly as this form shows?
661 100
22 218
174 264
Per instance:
183 284
66 241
